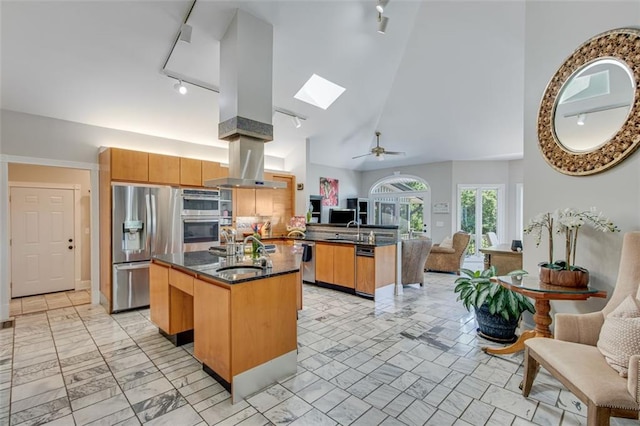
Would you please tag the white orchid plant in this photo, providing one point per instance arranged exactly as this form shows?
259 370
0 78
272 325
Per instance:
568 222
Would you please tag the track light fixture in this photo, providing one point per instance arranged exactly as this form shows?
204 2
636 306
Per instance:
180 87
296 121
185 33
382 23
581 119
381 5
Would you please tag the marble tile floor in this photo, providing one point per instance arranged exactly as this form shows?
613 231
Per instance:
409 360
44 302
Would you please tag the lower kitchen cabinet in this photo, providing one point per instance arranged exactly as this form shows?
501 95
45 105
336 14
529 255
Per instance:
375 271
365 275
170 300
335 264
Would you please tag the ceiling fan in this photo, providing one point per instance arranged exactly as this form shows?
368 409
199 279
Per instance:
379 151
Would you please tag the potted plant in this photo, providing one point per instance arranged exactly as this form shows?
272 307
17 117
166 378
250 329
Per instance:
497 308
568 222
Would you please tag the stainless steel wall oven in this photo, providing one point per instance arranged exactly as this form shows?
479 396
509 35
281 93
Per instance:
200 232
200 202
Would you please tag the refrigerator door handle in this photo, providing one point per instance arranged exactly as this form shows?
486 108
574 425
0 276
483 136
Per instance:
154 225
130 266
149 224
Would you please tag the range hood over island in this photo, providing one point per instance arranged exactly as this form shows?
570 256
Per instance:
246 101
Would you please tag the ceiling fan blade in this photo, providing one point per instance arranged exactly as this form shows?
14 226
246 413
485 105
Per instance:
395 152
363 155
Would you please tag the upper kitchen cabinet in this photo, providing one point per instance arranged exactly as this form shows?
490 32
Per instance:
129 166
253 202
164 169
213 170
190 172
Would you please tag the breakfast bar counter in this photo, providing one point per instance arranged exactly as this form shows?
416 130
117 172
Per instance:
241 317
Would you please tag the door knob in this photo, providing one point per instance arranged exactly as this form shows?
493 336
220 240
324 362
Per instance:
70 240
70 247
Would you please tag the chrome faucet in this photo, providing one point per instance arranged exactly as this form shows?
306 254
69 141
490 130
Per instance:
357 223
264 259
256 240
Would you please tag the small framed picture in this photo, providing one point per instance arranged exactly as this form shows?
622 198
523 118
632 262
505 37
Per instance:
441 208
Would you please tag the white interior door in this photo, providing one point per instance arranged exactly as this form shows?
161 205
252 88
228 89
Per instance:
42 245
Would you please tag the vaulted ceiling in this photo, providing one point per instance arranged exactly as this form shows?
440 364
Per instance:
445 82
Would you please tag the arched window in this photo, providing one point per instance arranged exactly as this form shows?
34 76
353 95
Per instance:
402 200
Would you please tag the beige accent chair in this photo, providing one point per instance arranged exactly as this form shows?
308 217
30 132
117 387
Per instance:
573 358
414 256
443 259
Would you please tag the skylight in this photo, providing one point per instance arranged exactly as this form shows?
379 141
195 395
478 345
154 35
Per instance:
319 92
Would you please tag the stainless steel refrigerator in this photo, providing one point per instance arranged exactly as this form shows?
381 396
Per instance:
145 222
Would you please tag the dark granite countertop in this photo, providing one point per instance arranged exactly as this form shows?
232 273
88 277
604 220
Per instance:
286 260
345 239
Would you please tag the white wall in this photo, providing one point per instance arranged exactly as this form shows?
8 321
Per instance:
349 182
35 136
553 31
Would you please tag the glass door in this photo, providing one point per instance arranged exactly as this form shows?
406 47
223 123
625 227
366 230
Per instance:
480 210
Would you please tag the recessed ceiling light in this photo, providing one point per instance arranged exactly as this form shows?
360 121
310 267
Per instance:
319 92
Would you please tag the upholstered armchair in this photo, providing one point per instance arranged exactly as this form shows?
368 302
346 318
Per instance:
573 358
414 256
445 259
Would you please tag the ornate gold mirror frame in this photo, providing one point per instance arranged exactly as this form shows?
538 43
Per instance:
622 44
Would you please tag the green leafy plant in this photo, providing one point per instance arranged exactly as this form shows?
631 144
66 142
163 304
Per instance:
476 289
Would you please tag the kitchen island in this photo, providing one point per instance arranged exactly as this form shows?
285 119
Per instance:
242 318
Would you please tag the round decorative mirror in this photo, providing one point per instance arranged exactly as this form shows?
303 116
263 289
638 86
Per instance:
590 112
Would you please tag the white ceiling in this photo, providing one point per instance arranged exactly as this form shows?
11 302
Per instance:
446 82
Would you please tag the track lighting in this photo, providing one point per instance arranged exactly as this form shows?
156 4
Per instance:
180 87
296 121
581 118
185 33
382 23
381 5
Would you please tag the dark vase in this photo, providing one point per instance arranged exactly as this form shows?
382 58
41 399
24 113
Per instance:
494 327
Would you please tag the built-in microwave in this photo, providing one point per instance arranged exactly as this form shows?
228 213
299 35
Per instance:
200 232
200 202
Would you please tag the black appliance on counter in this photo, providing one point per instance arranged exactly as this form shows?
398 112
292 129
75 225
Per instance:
342 216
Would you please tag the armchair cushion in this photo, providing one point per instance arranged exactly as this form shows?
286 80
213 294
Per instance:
592 376
447 243
578 328
620 335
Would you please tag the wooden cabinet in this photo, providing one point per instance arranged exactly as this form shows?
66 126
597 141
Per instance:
171 308
159 295
132 166
190 172
212 327
335 264
213 170
365 275
377 271
164 169
253 202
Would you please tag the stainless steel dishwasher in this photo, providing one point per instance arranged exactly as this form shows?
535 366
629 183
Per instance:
309 262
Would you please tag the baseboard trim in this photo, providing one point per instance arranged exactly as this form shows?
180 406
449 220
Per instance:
84 285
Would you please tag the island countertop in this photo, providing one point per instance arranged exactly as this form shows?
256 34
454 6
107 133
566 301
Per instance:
286 260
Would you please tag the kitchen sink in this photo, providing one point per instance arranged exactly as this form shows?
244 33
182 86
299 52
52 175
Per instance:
240 269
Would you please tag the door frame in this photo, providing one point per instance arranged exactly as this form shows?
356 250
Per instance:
4 223
77 258
501 213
